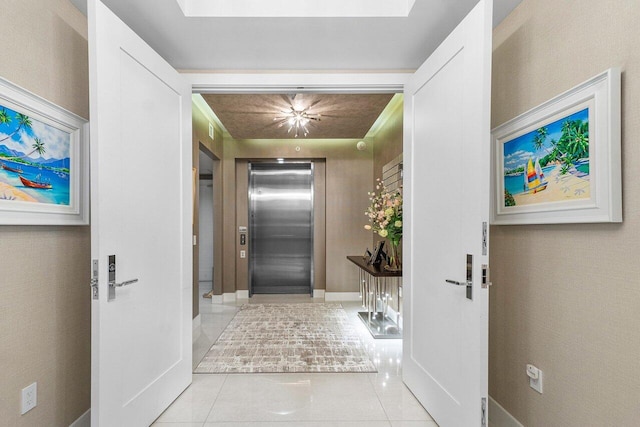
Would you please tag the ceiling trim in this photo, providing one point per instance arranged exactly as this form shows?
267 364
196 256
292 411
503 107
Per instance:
296 8
396 102
297 82
202 105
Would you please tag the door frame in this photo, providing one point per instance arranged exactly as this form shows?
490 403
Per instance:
230 83
251 226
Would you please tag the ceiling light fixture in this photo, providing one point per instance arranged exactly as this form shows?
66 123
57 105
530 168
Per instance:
297 120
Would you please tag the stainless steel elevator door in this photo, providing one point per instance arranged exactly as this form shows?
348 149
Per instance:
280 228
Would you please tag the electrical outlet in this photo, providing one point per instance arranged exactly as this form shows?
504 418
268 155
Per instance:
29 397
243 254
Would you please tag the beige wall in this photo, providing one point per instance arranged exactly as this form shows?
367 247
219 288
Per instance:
566 297
213 148
45 320
387 145
348 178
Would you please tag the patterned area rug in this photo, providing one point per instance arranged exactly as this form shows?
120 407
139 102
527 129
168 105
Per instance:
288 338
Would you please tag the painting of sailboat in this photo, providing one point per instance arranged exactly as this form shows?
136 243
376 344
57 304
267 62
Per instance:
548 164
35 160
560 162
534 181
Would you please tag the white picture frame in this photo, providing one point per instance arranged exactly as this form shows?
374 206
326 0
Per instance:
49 185
560 162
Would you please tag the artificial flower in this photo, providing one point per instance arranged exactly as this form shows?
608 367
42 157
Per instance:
385 213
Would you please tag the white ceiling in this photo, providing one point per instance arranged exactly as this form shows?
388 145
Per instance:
310 44
296 8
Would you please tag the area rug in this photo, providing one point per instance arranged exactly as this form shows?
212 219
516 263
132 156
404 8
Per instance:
288 338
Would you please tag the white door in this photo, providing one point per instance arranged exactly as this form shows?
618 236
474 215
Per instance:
141 211
446 148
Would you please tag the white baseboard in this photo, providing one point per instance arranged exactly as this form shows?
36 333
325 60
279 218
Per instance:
499 417
318 293
229 297
232 296
83 421
197 321
342 296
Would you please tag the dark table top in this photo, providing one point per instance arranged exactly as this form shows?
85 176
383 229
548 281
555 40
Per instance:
375 271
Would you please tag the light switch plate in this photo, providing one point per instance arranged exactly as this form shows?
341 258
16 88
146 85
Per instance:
535 378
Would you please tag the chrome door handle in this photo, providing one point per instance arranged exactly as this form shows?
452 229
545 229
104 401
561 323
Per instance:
453 282
469 282
112 279
125 283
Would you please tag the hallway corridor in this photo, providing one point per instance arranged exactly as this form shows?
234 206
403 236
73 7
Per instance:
296 400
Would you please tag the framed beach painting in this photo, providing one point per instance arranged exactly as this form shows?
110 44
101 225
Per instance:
43 161
560 162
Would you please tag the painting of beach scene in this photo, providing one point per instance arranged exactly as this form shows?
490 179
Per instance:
34 160
548 164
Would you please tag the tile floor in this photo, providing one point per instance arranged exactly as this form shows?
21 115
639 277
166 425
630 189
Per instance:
295 400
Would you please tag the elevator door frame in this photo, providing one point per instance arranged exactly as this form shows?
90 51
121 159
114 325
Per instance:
250 231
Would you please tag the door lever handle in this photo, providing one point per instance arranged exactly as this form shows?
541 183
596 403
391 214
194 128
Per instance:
112 279
113 285
125 283
469 282
453 282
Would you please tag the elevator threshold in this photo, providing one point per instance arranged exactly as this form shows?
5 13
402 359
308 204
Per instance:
282 290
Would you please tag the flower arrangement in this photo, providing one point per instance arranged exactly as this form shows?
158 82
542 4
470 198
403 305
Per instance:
385 217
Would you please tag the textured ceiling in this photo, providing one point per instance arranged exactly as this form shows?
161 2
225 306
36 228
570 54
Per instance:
250 116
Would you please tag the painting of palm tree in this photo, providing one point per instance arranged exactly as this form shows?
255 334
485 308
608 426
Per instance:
35 159
549 163
24 122
540 137
4 117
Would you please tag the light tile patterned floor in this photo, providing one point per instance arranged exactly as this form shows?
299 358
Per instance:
295 400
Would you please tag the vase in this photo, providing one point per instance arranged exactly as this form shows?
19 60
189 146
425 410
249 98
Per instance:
395 259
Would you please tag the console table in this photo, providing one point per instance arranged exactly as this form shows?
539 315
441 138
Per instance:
376 286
